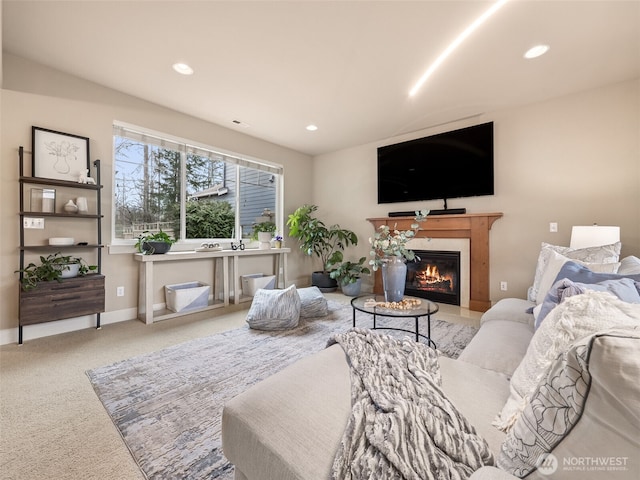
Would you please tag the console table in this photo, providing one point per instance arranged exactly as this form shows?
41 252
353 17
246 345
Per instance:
146 286
474 226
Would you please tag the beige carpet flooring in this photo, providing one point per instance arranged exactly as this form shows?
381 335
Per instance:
52 425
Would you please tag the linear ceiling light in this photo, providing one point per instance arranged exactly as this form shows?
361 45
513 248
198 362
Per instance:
468 31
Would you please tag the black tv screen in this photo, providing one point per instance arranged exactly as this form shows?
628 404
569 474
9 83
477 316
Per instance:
447 165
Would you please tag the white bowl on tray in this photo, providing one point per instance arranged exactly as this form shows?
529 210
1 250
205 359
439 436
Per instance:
61 241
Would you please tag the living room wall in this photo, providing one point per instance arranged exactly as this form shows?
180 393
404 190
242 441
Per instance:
35 95
573 160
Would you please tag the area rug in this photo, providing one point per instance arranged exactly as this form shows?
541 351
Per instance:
167 405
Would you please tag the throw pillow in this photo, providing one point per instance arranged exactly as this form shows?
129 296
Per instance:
274 309
603 254
312 303
581 409
573 319
556 261
626 289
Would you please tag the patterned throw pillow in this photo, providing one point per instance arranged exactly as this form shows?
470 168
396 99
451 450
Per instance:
575 318
312 303
561 432
274 309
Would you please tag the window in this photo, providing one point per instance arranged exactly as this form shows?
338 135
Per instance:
190 192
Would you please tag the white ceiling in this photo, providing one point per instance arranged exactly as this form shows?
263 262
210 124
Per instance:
346 66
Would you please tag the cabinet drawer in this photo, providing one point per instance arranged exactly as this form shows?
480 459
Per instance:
73 297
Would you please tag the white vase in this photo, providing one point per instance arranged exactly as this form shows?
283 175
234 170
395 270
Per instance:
394 277
265 240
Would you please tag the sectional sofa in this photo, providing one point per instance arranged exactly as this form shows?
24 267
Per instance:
556 398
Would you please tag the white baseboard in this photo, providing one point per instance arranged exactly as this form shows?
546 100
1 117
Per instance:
10 335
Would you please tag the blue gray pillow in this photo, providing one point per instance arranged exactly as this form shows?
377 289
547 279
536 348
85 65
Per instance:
573 279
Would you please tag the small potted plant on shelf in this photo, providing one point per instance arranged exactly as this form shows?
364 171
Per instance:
53 267
154 243
349 276
263 231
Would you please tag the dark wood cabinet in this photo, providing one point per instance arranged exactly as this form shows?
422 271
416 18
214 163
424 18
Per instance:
71 297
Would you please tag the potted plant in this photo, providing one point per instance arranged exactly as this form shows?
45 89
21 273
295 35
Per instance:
349 276
316 239
265 228
154 243
53 267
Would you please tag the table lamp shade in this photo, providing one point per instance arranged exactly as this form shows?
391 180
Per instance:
593 236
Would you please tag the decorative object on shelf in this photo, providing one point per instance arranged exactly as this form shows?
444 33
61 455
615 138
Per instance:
84 177
326 243
154 243
263 227
277 242
240 246
43 200
58 155
61 241
70 207
83 207
53 267
209 247
348 275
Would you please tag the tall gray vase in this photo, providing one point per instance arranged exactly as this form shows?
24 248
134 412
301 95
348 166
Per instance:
394 276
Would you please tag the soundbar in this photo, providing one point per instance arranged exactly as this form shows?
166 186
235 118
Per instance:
412 213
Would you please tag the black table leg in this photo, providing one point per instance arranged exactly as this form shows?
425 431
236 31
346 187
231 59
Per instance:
354 317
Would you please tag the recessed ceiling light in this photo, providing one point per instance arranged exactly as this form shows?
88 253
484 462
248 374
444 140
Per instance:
183 68
536 51
312 128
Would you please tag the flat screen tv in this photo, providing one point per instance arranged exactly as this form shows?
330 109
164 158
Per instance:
453 164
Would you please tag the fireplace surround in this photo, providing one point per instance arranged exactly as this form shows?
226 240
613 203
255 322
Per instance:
475 227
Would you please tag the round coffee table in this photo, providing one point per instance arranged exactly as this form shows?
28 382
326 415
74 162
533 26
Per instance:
372 304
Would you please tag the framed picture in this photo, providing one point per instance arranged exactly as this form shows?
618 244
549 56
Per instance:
57 155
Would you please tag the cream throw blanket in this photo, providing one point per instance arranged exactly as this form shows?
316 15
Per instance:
402 425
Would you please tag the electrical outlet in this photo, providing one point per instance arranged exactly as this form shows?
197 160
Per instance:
553 227
31 222
120 291
503 286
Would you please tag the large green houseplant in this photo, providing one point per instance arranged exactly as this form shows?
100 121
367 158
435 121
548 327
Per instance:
316 239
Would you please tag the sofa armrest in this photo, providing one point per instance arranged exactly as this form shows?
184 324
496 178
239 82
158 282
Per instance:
491 473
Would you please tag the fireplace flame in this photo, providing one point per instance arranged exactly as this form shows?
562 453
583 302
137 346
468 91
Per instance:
430 277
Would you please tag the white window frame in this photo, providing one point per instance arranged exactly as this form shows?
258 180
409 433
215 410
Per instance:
184 146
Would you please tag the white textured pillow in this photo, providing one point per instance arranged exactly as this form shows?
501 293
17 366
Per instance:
603 254
573 319
555 263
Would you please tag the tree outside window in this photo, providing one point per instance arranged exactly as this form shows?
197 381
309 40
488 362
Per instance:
187 192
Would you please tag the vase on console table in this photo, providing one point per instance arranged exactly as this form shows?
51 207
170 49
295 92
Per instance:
394 277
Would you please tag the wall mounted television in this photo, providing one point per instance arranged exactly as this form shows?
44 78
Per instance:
453 164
